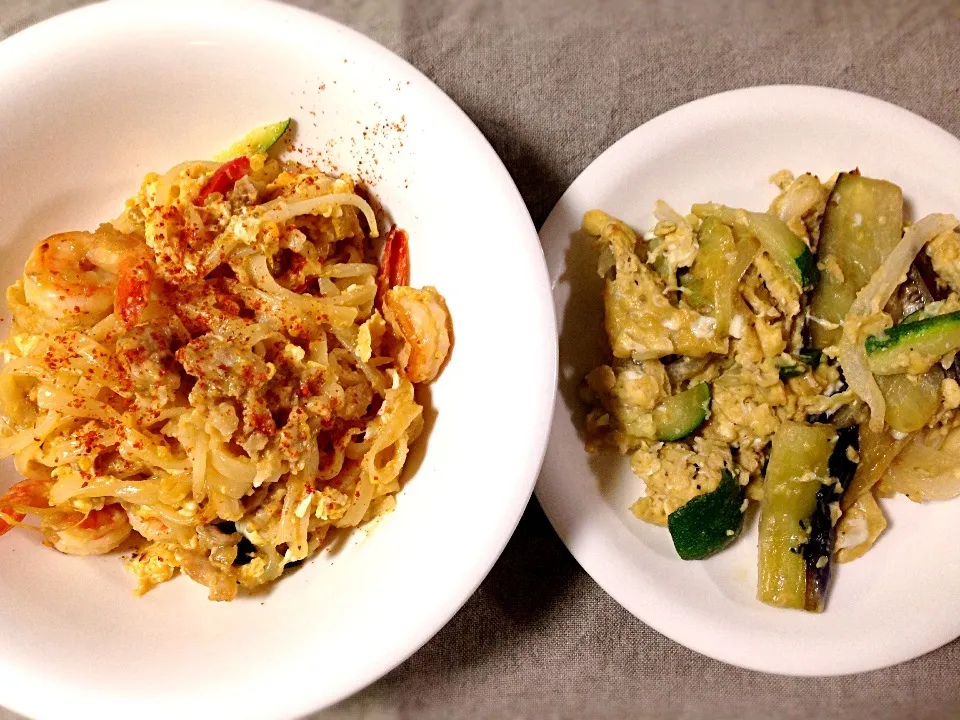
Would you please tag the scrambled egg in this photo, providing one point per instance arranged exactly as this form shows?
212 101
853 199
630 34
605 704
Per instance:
661 346
944 252
675 473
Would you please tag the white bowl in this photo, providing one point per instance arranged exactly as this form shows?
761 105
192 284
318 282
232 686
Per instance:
91 101
898 601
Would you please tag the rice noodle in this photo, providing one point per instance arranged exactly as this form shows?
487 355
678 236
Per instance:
191 395
871 300
312 206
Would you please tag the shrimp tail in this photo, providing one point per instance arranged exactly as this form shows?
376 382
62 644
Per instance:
394 263
400 263
6 527
25 494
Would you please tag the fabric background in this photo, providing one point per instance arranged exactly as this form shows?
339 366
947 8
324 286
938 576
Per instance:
552 83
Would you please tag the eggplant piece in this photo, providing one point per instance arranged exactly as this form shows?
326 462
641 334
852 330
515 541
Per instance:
818 550
862 223
710 287
911 401
910 299
798 469
877 451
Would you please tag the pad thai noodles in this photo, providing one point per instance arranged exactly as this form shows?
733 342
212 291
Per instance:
801 358
218 378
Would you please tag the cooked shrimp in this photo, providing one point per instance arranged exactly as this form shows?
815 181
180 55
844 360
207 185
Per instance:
395 261
98 533
421 320
24 495
84 275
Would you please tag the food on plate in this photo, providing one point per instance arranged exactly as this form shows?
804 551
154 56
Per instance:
220 377
801 358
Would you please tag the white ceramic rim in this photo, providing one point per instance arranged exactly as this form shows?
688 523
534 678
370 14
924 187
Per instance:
286 702
583 522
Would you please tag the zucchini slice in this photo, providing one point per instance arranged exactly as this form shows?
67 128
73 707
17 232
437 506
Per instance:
680 415
806 360
708 523
786 249
913 347
256 141
862 223
797 470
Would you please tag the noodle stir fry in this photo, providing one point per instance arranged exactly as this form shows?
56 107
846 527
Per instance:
223 374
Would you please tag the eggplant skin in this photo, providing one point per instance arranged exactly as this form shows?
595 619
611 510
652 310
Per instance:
818 550
841 466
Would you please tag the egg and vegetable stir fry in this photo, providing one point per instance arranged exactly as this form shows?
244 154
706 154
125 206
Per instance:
800 358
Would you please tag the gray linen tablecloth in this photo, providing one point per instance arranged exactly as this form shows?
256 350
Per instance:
552 83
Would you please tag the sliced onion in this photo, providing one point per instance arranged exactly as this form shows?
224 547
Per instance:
871 300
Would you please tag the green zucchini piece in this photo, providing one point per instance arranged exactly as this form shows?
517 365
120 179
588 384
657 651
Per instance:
791 371
256 141
805 360
810 356
708 523
786 249
797 469
862 223
913 347
680 415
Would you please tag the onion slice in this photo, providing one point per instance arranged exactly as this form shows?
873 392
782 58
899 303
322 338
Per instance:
872 299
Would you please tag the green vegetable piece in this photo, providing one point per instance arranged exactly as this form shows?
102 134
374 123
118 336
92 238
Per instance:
708 523
805 360
862 223
792 371
256 141
694 294
711 283
810 357
786 249
911 401
680 415
914 346
796 471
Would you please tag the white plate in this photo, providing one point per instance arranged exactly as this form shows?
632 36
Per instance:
90 102
897 602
